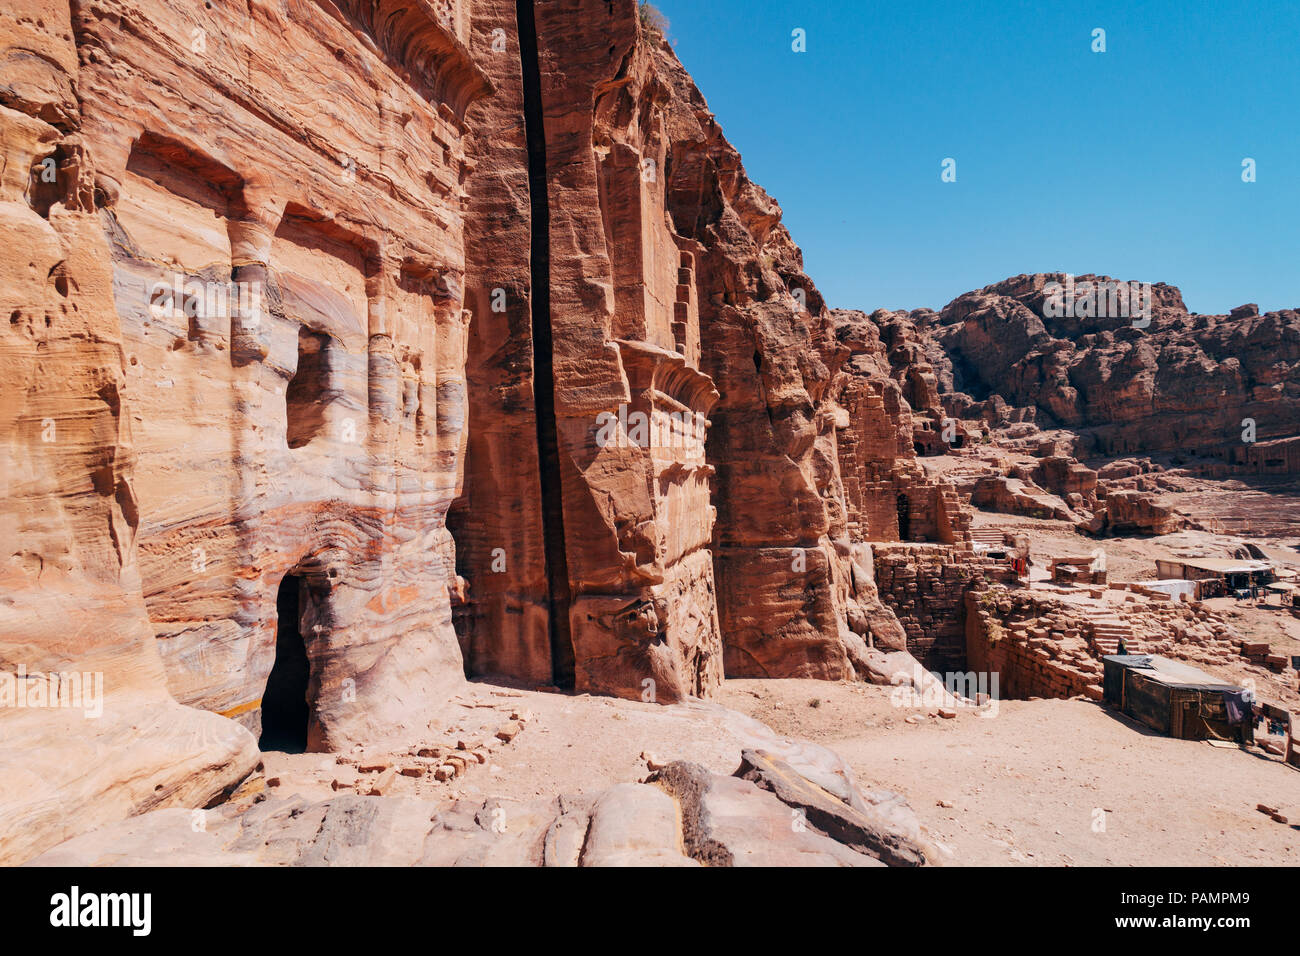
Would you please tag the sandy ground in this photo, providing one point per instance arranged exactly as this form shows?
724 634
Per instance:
570 743
1035 783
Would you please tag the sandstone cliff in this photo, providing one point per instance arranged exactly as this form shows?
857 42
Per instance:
727 535
354 348
233 396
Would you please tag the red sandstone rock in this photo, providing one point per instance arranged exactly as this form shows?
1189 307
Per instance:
1128 512
235 358
597 564
1183 384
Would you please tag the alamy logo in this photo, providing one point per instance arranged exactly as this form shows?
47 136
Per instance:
1104 300
57 689
684 429
967 689
202 299
74 909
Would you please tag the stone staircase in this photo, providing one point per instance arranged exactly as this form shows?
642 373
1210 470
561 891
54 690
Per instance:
985 538
1105 633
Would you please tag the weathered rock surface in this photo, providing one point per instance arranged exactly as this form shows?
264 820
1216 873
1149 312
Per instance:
592 568
232 379
671 305
1135 512
683 815
1014 497
1185 383
728 821
843 822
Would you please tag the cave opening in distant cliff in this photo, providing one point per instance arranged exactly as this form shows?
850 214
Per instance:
285 711
548 445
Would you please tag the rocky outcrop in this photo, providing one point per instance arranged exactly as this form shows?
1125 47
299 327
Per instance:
1162 379
810 436
1015 497
788 803
1135 512
585 520
715 449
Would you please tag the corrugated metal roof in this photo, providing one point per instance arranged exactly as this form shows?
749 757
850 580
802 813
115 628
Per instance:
1222 565
1173 673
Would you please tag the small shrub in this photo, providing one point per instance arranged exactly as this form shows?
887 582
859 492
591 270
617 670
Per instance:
653 22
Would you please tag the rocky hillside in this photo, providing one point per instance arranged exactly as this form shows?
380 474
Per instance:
1168 381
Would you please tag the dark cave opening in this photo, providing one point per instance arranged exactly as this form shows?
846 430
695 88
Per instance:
904 518
284 704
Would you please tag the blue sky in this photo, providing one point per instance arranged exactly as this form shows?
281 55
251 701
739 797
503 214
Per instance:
1126 162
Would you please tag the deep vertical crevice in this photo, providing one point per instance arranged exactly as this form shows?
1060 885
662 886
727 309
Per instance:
548 446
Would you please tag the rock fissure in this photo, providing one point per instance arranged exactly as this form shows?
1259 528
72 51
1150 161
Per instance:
548 447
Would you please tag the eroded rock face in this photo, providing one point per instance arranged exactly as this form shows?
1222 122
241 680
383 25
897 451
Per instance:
329 325
592 567
233 378
1135 512
811 437
1182 383
328 388
715 449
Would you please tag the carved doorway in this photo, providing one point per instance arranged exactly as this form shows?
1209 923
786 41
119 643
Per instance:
285 711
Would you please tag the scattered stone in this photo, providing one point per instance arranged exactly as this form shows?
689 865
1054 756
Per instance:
848 825
384 785
651 761
508 732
